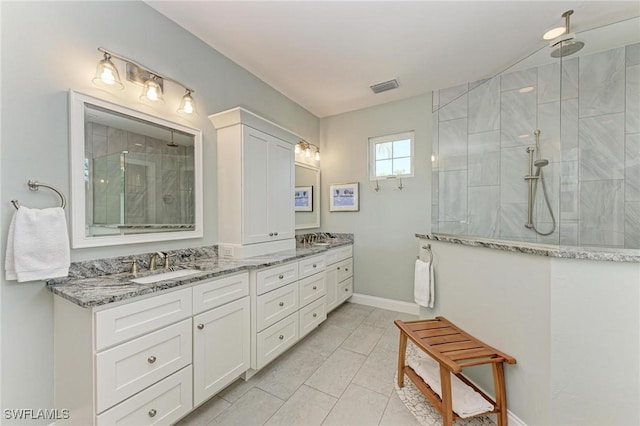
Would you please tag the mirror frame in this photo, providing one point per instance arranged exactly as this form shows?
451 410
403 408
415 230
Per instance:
316 195
79 239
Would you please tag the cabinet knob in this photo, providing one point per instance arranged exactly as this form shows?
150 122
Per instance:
315 288
281 337
314 265
346 269
151 359
281 304
315 315
346 289
200 326
275 234
280 276
152 412
271 234
338 268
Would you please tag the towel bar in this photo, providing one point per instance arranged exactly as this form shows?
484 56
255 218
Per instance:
34 185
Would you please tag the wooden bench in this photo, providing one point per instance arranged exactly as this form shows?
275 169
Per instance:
454 350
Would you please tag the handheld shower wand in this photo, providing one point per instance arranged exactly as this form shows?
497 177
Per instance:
533 178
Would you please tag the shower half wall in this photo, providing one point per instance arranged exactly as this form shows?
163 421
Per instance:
588 111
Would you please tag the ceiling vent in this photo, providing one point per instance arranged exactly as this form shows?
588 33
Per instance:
384 86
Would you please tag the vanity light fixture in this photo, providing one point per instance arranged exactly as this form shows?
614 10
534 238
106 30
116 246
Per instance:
152 83
307 148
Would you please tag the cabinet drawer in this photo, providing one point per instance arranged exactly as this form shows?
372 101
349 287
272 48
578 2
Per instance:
275 305
345 269
310 266
218 292
312 315
134 319
345 290
312 288
273 278
162 404
338 254
276 339
128 368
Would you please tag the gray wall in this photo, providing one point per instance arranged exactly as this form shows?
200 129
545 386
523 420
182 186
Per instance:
384 228
50 47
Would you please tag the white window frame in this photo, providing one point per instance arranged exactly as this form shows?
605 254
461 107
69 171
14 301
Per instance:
385 139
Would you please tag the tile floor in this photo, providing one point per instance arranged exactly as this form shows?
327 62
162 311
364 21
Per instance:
339 374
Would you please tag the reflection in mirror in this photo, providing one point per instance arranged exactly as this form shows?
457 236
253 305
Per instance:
135 177
308 177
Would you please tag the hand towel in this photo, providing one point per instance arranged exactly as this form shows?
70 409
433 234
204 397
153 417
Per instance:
423 287
37 245
466 401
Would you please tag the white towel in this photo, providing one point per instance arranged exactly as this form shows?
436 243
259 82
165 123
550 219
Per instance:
37 245
466 401
423 287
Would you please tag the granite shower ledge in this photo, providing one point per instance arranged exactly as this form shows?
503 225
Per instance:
100 290
611 255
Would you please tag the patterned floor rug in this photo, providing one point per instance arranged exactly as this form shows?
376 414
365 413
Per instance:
418 405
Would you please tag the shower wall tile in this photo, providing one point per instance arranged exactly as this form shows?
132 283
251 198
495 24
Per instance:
519 79
484 106
477 83
601 142
452 93
602 86
602 214
568 190
453 144
570 78
513 216
549 125
484 158
435 184
136 142
514 165
518 118
549 83
456 228
453 196
632 225
569 233
633 54
632 168
454 109
632 97
569 124
551 239
551 177
484 217
116 140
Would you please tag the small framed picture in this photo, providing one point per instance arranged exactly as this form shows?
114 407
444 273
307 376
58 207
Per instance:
303 199
344 197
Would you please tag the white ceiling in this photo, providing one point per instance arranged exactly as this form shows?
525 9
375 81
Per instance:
324 55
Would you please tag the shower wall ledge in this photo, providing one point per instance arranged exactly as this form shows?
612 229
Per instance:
587 253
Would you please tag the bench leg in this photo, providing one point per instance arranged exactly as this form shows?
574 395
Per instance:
447 406
501 394
402 349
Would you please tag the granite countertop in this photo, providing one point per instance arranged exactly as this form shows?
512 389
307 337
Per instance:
87 286
588 253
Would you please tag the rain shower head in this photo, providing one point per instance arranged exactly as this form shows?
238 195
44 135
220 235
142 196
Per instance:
541 163
567 44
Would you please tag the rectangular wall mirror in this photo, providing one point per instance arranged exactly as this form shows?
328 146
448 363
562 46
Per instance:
308 213
134 177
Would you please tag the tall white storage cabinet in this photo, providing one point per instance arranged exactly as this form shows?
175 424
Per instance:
256 179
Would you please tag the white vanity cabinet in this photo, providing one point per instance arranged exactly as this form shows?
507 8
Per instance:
256 178
339 276
149 360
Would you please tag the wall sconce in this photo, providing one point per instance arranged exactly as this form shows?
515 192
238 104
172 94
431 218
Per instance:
152 83
307 148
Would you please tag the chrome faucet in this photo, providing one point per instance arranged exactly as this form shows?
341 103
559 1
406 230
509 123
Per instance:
154 256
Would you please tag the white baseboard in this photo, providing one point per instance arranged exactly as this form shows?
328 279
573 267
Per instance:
382 303
512 419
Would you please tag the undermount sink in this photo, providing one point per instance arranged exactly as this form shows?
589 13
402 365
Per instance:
165 276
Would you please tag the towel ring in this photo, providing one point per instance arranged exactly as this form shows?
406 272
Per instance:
428 249
34 185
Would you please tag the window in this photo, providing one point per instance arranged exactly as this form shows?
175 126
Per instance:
391 156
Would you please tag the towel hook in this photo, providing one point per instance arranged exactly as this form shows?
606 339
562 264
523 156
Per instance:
428 249
34 185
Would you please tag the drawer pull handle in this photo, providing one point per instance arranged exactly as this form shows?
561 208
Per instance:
200 326
151 359
152 412
315 315
281 337
280 276
315 288
281 304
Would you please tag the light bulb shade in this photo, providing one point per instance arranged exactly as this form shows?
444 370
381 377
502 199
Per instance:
188 105
297 149
107 75
317 156
151 91
307 152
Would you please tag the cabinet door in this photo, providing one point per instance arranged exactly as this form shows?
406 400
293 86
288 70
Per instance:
281 187
332 286
255 186
220 348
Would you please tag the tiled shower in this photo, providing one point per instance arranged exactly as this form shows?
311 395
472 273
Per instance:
588 111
